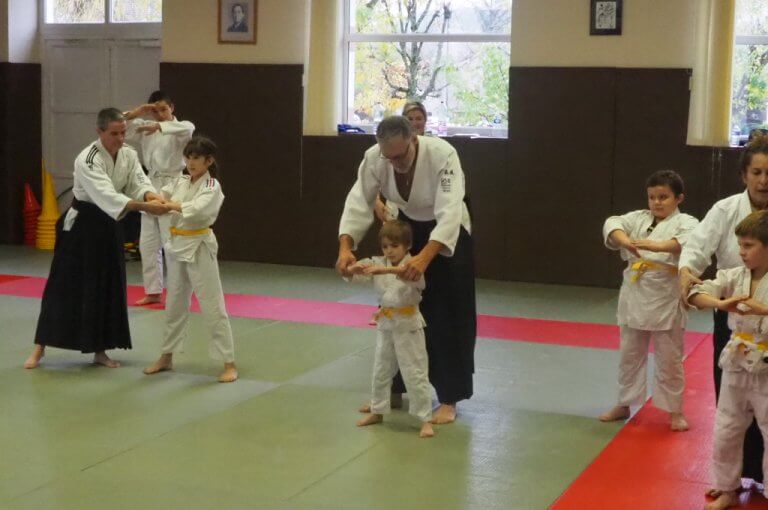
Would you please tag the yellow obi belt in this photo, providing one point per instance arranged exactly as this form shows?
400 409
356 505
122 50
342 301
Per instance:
389 313
642 265
197 232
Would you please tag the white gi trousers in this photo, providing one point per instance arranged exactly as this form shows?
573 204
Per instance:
742 396
202 277
669 377
155 231
408 350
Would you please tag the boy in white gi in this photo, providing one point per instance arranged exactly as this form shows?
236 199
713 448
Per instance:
400 336
741 292
650 241
194 201
160 143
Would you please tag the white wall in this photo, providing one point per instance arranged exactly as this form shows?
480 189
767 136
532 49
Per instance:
190 33
23 40
655 33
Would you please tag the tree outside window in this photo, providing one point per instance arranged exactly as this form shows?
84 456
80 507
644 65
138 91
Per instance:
452 55
749 98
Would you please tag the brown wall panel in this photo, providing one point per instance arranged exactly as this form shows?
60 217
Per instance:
254 113
20 143
562 125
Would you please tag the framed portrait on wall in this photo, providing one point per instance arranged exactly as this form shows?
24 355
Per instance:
605 17
237 21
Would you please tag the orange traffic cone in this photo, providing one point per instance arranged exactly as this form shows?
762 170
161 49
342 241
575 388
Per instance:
31 211
46 222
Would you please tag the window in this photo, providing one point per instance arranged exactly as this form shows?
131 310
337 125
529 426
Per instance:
452 55
95 11
749 95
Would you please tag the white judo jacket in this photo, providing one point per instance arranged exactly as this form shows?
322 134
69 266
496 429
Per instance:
715 235
437 193
394 294
649 298
108 184
200 205
749 341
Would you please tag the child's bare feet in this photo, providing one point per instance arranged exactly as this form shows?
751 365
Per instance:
165 362
371 419
446 413
615 414
34 359
149 299
229 374
426 430
723 500
677 422
395 402
101 358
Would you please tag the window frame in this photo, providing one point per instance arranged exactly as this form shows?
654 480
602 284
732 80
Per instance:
349 38
105 30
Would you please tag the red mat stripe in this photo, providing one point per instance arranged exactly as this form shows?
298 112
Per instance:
648 466
573 334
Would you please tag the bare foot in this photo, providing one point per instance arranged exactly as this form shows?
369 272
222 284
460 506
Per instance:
229 374
34 359
724 499
101 358
677 422
446 413
615 414
165 362
395 402
426 430
149 299
371 419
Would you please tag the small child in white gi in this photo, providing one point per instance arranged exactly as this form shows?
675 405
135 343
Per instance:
650 241
741 292
400 336
194 201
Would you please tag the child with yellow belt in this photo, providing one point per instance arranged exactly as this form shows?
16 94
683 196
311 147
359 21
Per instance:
649 309
195 201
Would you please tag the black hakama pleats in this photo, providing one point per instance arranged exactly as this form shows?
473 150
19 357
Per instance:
448 307
84 304
753 439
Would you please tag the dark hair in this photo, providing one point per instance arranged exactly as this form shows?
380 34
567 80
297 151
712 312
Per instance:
160 95
755 226
107 115
397 231
392 126
758 144
237 4
666 178
203 146
414 105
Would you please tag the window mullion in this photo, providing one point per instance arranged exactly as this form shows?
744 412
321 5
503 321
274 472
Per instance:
108 11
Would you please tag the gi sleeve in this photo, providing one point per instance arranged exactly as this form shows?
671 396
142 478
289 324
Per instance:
626 223
358 207
204 207
182 128
722 286
704 240
449 206
138 183
362 278
92 176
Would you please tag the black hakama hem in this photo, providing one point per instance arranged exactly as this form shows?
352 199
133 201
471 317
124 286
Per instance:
84 306
753 439
448 307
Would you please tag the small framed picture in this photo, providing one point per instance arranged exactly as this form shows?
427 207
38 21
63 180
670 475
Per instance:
237 21
605 17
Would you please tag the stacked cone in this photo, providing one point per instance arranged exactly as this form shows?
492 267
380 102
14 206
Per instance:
31 212
46 222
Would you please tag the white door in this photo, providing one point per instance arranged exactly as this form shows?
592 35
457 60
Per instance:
80 77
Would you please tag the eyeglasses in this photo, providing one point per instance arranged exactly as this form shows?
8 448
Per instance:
400 158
